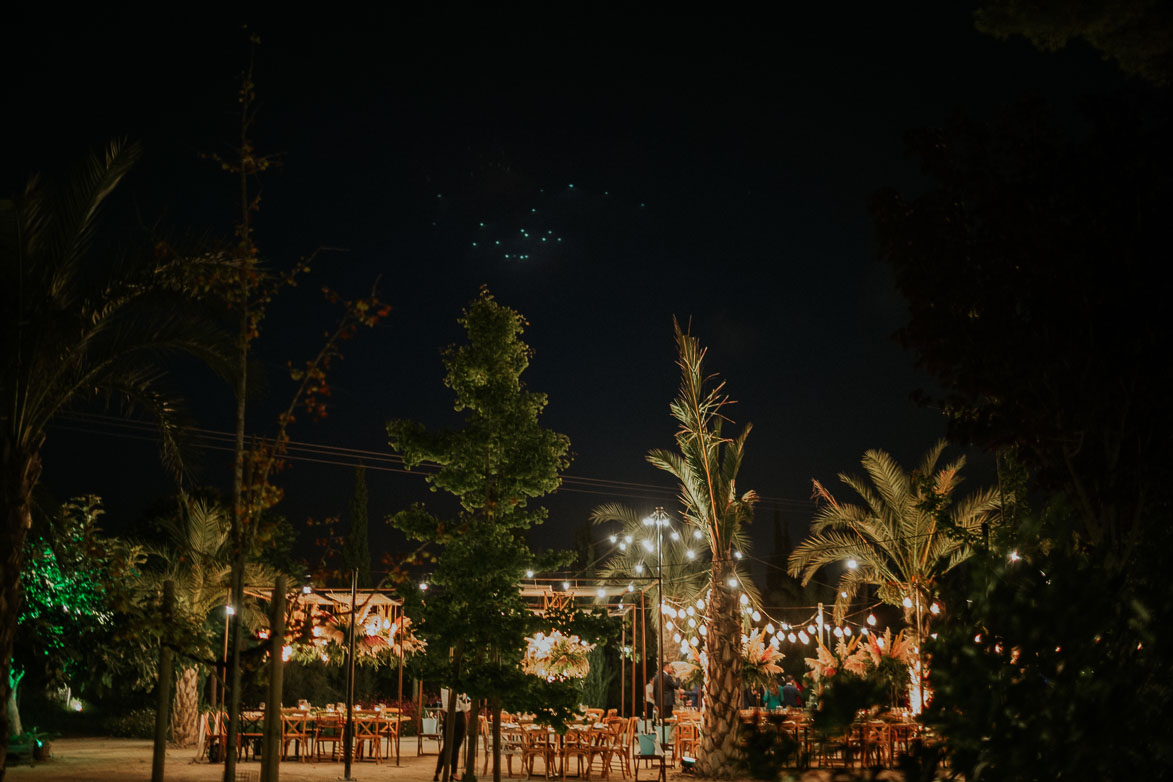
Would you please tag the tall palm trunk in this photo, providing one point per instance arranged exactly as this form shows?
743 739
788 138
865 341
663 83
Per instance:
719 754
19 471
185 709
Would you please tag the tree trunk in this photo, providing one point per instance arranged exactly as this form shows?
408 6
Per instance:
719 754
15 727
185 709
19 471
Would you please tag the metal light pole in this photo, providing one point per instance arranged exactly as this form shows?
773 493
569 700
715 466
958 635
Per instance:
660 519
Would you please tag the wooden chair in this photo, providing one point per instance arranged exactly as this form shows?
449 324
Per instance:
252 731
368 736
295 729
539 745
628 747
430 733
594 715
608 746
328 730
875 745
686 739
577 744
513 743
392 729
610 713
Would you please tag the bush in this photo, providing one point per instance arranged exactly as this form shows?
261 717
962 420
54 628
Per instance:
134 724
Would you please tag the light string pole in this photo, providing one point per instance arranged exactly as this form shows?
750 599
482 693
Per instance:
659 519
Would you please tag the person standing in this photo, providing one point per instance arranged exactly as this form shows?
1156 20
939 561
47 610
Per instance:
790 697
665 691
462 708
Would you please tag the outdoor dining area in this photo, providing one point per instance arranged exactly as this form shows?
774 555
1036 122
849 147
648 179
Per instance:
867 742
307 734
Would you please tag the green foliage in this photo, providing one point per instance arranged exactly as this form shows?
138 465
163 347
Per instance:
1014 239
1137 34
767 748
494 464
1055 667
597 683
910 530
76 583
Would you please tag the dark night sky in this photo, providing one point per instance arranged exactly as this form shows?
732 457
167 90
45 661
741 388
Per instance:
717 170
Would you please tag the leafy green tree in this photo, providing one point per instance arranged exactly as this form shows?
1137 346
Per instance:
1028 272
1137 34
77 582
356 552
1052 666
78 323
897 537
501 459
706 465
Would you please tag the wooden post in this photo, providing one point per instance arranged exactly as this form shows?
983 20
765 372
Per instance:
271 749
622 662
643 621
163 704
348 734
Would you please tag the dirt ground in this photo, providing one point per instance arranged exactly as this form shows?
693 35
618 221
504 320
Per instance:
129 760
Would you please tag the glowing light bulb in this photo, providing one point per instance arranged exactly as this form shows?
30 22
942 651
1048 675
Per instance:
631 587
703 630
737 555
852 564
1014 556
698 534
757 616
770 628
907 602
230 610
733 583
847 631
694 641
614 538
700 604
744 599
601 593
529 574
565 585
675 535
692 623
804 637
838 631
871 620
792 638
676 637
691 611
690 553
934 609
424 586
810 629
639 569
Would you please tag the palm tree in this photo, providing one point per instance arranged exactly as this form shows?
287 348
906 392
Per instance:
706 467
198 559
896 540
76 323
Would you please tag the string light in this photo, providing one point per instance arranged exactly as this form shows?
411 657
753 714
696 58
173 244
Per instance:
871 620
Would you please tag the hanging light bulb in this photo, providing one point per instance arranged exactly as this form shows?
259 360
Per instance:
703 630
675 535
676 637
565 586
871 620
757 616
880 641
847 631
863 631
803 637
700 604
770 628
843 595
690 553
934 609
692 623
698 534
623 547
631 587
852 564
639 569
907 602
1014 557
733 583
838 631
601 593
529 574
647 544
792 638
690 611
423 586
737 555
628 539
694 641
744 599
614 538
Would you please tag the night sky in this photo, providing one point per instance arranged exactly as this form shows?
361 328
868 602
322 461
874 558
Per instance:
601 173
